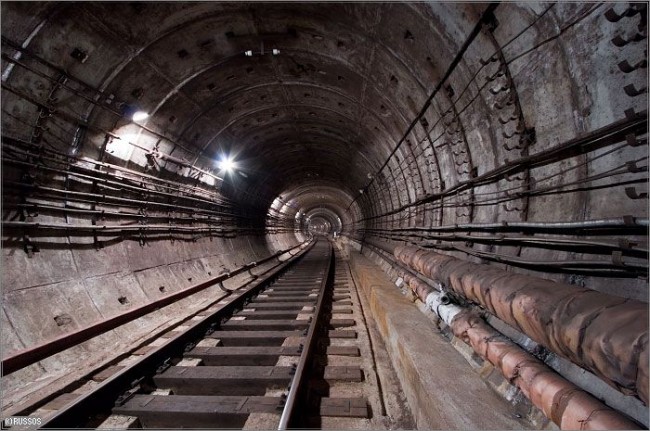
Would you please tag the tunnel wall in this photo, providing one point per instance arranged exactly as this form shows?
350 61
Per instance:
42 301
559 81
535 77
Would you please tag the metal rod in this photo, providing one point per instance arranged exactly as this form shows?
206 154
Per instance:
77 122
102 177
531 241
486 15
99 93
296 384
591 268
107 229
103 213
115 198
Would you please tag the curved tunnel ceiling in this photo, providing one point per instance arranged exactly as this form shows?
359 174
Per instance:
508 134
324 111
390 115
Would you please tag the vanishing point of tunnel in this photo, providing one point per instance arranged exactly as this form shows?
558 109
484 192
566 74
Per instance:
341 215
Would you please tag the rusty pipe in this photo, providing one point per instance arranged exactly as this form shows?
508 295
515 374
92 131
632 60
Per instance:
602 333
561 401
433 298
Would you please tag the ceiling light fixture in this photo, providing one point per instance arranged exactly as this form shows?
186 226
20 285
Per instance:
226 164
140 115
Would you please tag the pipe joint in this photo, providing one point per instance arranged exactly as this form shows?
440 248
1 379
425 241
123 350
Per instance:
446 311
445 299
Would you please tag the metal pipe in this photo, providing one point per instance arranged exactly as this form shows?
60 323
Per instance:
561 401
207 214
526 190
594 247
555 263
596 268
121 214
31 355
611 223
115 198
101 179
108 229
602 333
75 162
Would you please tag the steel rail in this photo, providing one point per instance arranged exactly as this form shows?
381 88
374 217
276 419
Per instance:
105 394
297 382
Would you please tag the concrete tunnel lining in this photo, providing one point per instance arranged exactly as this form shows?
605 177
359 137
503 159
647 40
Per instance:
374 114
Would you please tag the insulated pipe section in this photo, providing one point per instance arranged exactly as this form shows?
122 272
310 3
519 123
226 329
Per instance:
602 333
434 298
441 304
561 401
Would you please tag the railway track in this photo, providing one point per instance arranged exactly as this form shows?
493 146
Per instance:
258 360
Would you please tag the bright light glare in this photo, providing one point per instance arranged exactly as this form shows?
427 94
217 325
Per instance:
140 115
226 164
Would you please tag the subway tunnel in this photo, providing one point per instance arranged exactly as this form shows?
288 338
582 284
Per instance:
486 158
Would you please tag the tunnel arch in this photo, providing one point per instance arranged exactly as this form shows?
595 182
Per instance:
480 131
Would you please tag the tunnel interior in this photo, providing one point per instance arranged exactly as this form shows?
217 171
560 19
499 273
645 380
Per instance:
147 146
